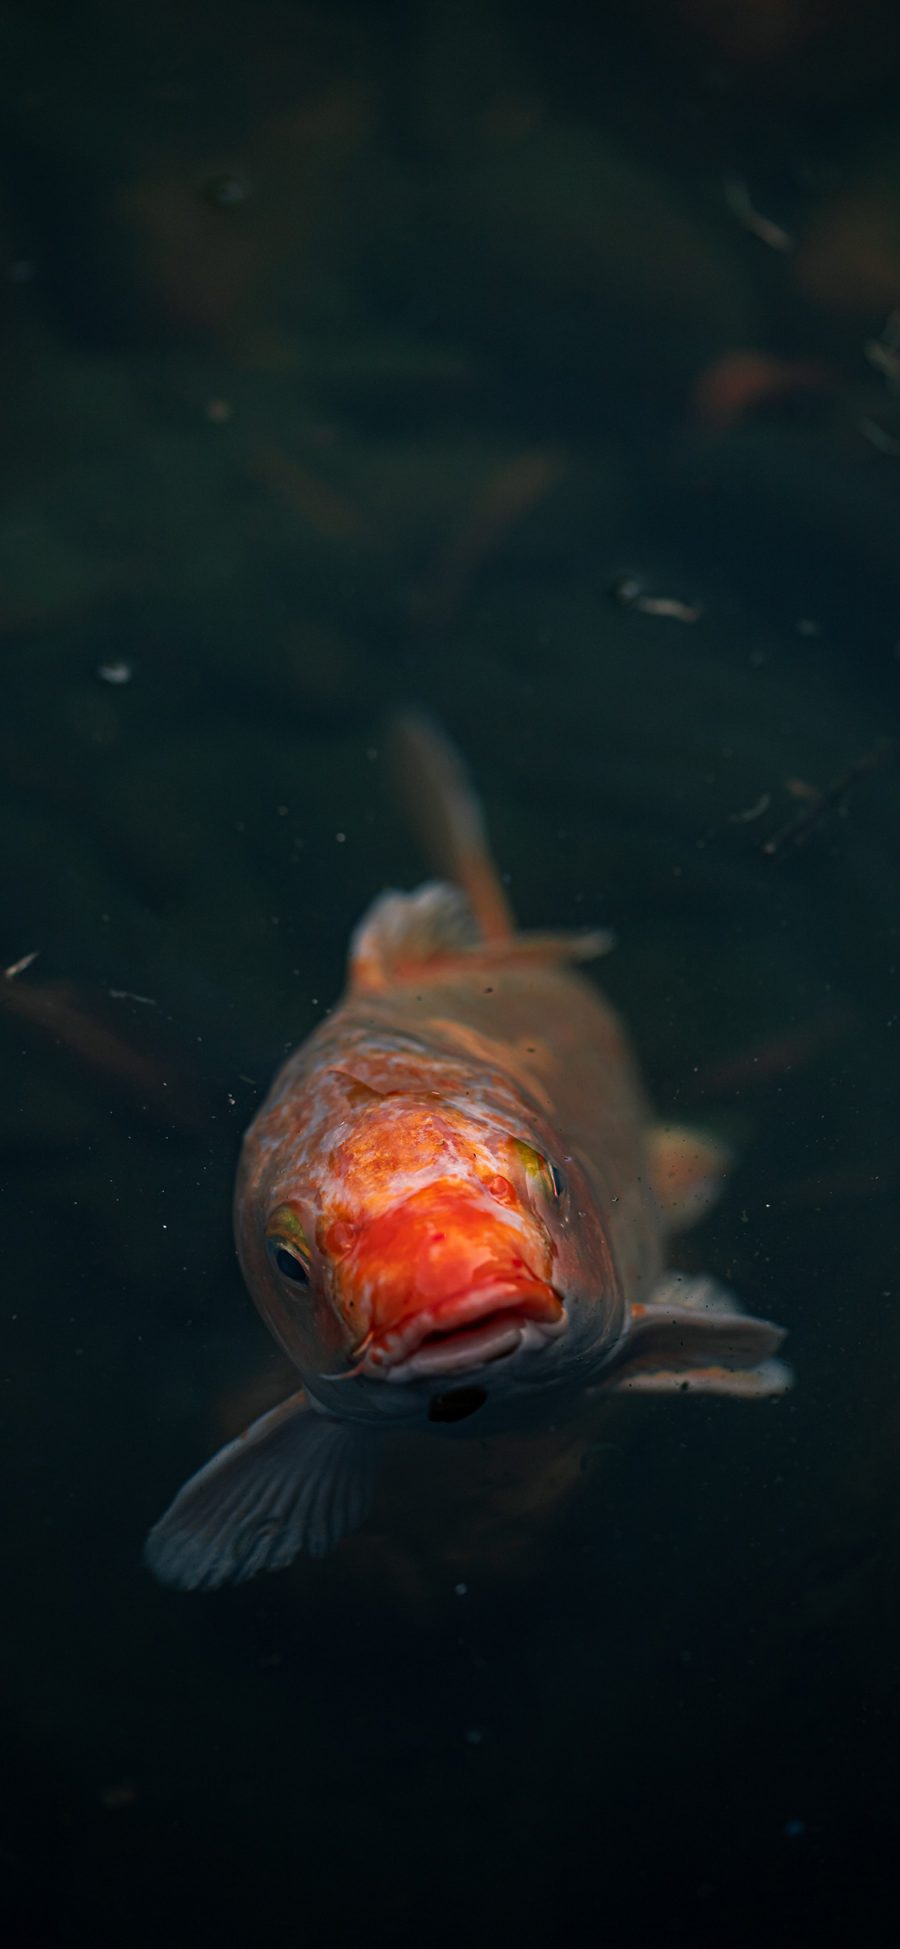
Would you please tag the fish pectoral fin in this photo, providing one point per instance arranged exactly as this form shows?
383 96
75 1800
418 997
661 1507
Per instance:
294 1480
695 1338
688 1170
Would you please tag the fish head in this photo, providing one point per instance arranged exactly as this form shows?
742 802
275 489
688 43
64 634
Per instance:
434 1265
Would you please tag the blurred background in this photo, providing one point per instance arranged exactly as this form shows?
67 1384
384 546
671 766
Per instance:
540 365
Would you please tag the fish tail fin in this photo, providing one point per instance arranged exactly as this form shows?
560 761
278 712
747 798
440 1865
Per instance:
445 812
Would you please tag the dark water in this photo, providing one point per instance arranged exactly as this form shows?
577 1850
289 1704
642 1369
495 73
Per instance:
351 355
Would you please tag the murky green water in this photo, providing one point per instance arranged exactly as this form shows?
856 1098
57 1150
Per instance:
542 372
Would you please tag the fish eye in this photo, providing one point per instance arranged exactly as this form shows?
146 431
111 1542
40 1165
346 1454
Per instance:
288 1263
556 1180
287 1246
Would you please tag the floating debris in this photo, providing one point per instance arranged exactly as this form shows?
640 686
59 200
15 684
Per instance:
118 672
18 967
629 593
737 196
797 830
751 812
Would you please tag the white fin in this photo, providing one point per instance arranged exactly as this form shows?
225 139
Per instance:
762 1383
401 932
537 949
694 1337
294 1480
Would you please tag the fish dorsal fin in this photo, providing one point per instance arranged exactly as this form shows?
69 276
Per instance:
445 812
404 936
402 932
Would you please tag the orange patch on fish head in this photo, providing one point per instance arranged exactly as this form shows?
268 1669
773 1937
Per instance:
444 1278
440 1260
423 1245
441 1242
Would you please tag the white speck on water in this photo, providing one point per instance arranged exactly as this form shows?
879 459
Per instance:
461 1590
119 672
19 967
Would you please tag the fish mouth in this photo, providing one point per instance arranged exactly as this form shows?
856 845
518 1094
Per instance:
468 1331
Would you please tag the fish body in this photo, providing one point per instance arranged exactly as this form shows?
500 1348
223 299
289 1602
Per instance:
452 1210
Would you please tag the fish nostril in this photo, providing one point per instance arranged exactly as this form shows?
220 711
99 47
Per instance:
501 1189
457 1404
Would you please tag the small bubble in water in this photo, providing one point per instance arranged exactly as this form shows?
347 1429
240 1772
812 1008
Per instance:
461 1590
119 672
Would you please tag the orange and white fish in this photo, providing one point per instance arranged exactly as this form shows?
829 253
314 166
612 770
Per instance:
451 1210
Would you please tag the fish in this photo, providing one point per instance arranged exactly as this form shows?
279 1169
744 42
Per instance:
453 1209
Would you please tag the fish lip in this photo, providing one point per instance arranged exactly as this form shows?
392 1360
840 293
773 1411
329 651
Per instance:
469 1331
